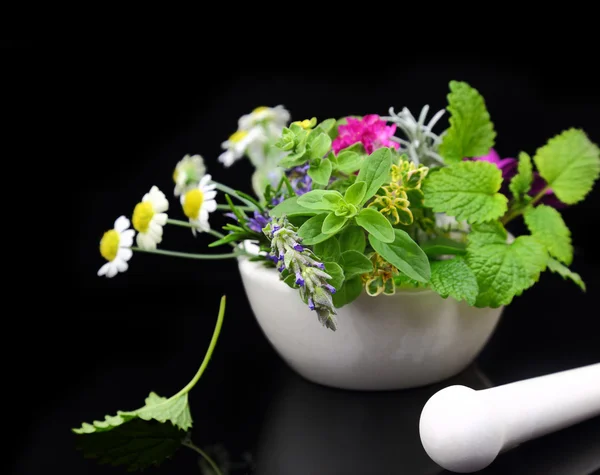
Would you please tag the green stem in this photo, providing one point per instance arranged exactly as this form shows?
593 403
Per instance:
209 352
203 454
540 195
232 192
187 254
177 222
515 213
227 208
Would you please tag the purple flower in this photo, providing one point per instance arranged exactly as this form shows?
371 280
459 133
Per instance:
508 167
258 222
299 279
299 179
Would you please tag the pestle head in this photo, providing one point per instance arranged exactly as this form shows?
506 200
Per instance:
459 431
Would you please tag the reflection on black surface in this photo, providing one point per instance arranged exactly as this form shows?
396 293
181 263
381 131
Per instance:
311 429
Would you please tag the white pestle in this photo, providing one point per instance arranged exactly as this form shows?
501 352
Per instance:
464 430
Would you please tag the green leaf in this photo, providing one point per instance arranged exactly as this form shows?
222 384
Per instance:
328 250
320 145
311 233
353 239
491 232
326 200
289 208
326 126
405 254
354 263
570 164
231 238
174 409
355 193
441 246
504 270
466 190
376 224
521 182
349 292
471 132
290 281
320 171
349 161
547 226
333 223
137 445
336 273
375 171
454 278
565 272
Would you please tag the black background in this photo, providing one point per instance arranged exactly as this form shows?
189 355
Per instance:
117 339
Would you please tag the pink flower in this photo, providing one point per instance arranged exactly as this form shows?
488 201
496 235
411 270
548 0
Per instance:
371 131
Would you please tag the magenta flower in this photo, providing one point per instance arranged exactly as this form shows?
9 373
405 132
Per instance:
371 131
508 167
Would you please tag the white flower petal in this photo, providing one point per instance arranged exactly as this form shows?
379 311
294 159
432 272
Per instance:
155 228
126 238
210 205
120 265
209 195
104 269
227 158
203 214
145 242
124 253
160 218
204 225
205 180
112 270
121 224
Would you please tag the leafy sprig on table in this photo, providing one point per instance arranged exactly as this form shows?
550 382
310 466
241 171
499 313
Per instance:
147 436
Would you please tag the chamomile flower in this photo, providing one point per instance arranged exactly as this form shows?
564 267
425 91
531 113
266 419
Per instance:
242 142
188 172
276 118
198 202
149 217
115 247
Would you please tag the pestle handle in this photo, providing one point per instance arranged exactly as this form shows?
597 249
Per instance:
463 430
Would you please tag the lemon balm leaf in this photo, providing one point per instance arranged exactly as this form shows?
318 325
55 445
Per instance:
548 227
453 278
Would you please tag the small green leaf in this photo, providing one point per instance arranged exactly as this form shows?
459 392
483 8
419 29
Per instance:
231 238
326 200
333 223
405 254
290 207
311 233
521 182
349 161
327 126
376 225
328 250
290 281
466 190
349 292
355 193
353 239
471 132
320 145
547 226
570 164
454 278
336 273
565 272
375 171
320 171
354 263
441 246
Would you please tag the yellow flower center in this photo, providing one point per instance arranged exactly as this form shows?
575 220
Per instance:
109 245
260 109
237 136
142 215
192 203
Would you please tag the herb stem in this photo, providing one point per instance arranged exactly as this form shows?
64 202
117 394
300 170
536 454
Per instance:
227 208
188 255
209 352
177 222
189 444
232 192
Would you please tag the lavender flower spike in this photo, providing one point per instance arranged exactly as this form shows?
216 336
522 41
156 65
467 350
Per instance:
301 262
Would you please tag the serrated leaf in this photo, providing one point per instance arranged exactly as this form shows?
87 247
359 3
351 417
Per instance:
328 250
310 231
349 292
376 224
548 227
471 132
466 190
441 246
375 171
353 239
521 182
503 270
570 164
405 254
354 263
137 445
291 208
565 272
453 278
336 273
